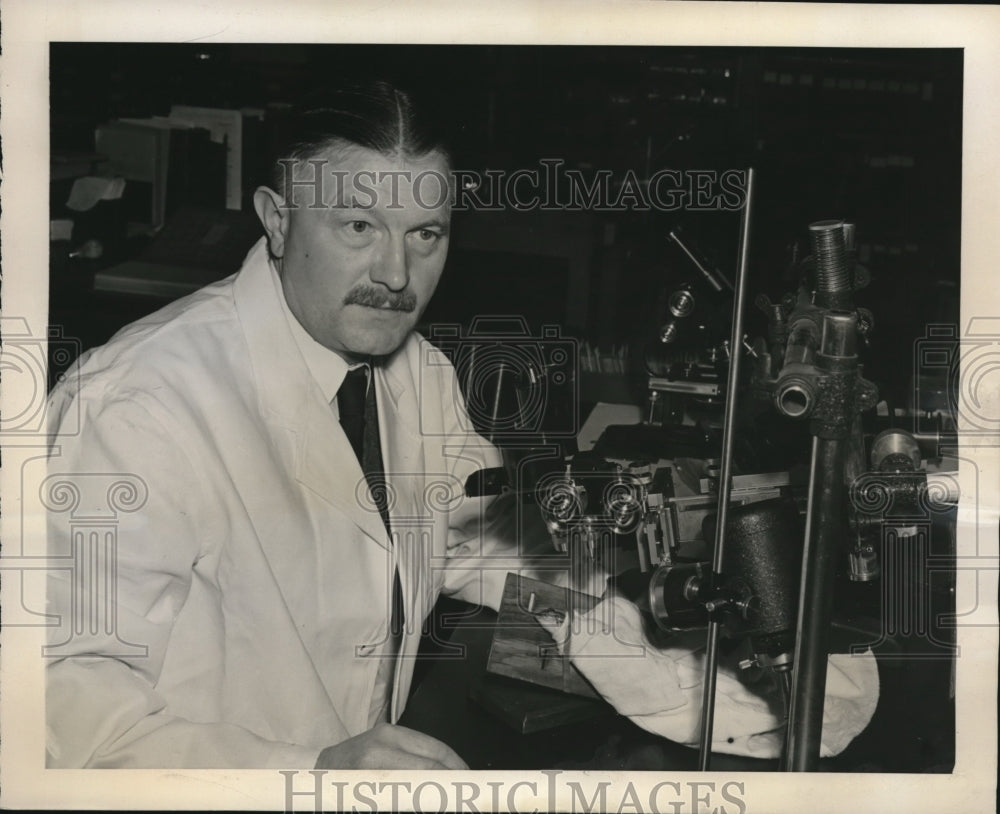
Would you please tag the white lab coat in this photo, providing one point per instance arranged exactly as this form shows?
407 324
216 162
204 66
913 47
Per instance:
252 575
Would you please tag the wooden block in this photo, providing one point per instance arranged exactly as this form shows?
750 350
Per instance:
523 649
528 708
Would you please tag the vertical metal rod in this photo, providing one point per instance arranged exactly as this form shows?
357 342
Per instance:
725 478
824 535
496 403
708 697
785 684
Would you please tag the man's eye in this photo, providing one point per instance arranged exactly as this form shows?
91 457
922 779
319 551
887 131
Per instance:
427 235
359 226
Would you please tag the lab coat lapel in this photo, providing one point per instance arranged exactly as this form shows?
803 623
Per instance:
403 458
413 522
402 446
289 399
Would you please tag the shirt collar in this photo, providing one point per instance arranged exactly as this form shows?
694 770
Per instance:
327 368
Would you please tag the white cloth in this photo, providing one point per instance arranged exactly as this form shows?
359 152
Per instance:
252 574
660 689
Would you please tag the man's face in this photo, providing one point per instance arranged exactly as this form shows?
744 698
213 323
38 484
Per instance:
359 269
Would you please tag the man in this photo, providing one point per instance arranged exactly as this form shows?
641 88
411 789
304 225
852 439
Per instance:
257 580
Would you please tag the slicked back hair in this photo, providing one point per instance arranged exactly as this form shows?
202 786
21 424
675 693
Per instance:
373 114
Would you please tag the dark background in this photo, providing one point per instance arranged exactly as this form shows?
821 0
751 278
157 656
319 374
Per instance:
869 136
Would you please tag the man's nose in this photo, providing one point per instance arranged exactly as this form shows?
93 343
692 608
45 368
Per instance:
391 269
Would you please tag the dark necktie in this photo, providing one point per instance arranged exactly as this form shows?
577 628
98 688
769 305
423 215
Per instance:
359 417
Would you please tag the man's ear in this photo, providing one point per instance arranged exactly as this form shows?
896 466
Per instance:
273 214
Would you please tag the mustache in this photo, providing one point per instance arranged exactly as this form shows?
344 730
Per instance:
380 298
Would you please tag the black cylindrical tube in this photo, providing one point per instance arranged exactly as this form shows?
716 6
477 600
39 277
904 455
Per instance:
764 553
825 532
839 336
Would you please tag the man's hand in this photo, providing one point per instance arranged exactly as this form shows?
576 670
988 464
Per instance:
390 747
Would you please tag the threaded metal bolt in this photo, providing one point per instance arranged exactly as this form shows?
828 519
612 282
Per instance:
833 272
